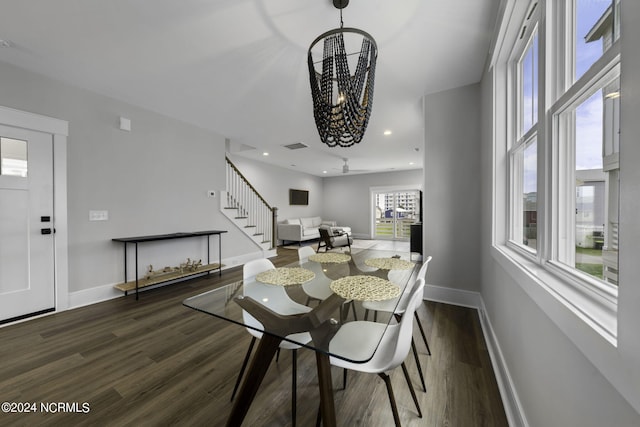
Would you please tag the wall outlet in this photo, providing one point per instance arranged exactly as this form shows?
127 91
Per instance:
211 193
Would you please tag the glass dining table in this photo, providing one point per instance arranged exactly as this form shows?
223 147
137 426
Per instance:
263 302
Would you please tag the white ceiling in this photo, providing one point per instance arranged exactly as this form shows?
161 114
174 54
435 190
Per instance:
238 67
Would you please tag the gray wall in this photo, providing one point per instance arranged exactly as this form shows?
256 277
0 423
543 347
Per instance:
151 180
452 187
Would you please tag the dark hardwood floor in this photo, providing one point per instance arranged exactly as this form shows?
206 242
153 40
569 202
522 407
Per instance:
154 362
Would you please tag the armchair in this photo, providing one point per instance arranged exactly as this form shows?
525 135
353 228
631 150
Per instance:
329 240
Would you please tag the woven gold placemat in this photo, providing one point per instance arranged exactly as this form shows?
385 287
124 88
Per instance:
389 263
364 288
333 258
286 276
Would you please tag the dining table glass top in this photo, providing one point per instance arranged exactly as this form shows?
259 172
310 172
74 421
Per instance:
307 302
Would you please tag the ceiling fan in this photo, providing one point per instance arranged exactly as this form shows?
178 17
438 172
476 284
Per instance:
346 169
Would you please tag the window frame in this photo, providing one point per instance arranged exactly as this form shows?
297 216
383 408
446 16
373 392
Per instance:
593 301
596 78
518 140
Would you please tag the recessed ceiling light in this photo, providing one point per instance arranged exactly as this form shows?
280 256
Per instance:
265 154
387 132
324 171
412 163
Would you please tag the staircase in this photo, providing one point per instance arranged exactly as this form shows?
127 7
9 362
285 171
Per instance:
248 210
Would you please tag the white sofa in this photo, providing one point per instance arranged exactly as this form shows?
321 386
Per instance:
301 229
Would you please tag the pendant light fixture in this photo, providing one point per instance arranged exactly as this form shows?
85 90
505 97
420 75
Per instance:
342 97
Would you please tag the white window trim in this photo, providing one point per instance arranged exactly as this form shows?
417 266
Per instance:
517 141
607 71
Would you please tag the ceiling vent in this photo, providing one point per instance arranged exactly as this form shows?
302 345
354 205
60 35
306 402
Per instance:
295 146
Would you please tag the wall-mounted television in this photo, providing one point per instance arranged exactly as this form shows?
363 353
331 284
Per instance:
298 197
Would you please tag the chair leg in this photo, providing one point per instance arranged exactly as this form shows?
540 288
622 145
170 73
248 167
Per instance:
344 379
353 308
424 336
294 383
244 365
319 416
366 314
392 399
278 355
413 392
415 355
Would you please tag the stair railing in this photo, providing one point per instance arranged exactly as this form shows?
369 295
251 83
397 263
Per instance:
241 195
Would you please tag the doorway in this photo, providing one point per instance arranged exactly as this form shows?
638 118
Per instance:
29 253
393 213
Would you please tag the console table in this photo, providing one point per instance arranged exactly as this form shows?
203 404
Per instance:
140 283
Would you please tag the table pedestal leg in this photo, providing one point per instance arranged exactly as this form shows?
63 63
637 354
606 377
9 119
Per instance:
327 408
257 369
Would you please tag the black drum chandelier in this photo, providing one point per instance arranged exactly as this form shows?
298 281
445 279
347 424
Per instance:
342 101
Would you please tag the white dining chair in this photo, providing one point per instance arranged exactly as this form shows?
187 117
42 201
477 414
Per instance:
358 340
276 299
319 288
398 306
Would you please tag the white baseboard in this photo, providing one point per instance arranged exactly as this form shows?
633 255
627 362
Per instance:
512 406
93 296
453 296
460 297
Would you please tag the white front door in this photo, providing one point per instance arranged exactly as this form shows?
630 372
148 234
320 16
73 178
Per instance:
27 283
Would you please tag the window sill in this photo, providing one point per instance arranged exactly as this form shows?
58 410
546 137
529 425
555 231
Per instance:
548 286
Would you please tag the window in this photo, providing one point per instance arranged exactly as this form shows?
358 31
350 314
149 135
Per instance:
587 115
523 153
13 157
394 212
588 168
593 32
528 72
563 151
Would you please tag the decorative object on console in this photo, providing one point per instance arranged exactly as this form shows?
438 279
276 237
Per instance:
182 268
341 101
